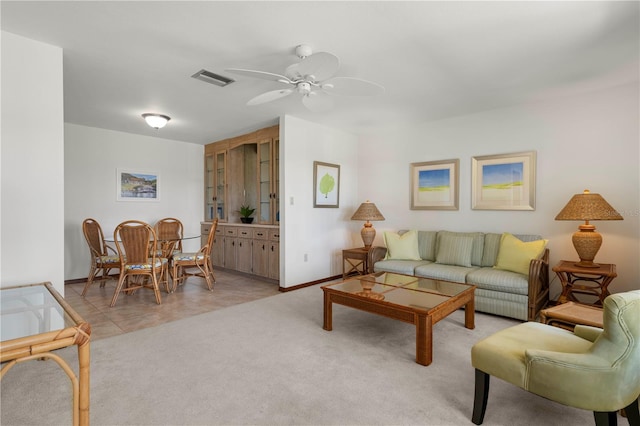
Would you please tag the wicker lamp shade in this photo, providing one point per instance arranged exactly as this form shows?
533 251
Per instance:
367 211
587 241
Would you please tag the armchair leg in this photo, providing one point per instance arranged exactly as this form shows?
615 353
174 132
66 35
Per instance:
480 397
633 413
604 418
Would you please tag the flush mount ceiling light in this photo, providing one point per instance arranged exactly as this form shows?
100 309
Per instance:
157 121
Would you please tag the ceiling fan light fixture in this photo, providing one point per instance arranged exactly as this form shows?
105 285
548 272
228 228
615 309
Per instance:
157 121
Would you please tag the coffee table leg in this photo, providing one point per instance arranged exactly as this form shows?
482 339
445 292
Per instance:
424 341
328 314
469 314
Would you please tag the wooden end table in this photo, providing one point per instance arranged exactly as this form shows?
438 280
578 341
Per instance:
357 260
593 281
570 314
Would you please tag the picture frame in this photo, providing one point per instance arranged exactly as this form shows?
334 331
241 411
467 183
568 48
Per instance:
135 185
326 185
435 185
504 182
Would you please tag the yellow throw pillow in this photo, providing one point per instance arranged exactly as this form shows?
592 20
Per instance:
515 255
402 247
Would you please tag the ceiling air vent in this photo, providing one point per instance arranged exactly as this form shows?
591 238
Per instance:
212 78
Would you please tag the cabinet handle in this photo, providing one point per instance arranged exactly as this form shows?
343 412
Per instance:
263 247
271 248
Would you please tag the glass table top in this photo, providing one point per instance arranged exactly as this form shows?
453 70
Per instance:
31 310
404 290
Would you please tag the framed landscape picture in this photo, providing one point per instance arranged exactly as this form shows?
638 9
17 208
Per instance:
504 182
435 185
326 185
137 186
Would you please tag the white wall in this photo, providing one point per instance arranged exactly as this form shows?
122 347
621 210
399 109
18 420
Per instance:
32 168
583 142
92 157
320 233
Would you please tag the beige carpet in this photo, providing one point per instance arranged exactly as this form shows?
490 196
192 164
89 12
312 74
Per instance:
270 362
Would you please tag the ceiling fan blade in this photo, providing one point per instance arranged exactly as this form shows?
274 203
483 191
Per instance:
317 102
260 74
269 96
293 73
349 86
321 65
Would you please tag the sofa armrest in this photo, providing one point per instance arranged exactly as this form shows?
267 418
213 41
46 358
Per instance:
376 254
538 285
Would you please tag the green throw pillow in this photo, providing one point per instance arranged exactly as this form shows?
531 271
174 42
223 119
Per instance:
402 247
455 250
515 255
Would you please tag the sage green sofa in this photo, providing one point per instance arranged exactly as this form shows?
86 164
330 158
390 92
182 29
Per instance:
520 295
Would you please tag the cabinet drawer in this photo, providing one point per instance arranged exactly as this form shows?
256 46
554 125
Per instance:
260 234
274 235
230 231
245 233
204 228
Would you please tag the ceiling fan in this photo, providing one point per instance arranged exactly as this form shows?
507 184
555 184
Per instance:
312 78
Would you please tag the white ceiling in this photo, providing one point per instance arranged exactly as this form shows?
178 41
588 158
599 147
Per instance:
435 59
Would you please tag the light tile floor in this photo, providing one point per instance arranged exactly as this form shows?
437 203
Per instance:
137 311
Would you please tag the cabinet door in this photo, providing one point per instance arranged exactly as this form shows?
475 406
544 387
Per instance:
217 252
274 260
243 255
230 252
220 189
260 257
265 182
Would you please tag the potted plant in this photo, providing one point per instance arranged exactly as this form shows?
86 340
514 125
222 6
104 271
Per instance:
245 214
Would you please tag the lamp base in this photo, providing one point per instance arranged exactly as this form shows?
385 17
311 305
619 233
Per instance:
368 235
587 242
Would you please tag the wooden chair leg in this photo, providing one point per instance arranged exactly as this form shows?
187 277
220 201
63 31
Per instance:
116 293
480 397
604 418
633 413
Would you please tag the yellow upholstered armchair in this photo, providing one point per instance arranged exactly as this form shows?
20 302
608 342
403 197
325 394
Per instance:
590 368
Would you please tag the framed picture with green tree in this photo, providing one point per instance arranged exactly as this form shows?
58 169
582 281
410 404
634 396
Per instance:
326 185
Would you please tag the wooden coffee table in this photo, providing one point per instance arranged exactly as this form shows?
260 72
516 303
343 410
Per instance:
419 301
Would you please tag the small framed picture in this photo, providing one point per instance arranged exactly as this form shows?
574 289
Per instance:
326 185
435 185
504 182
137 186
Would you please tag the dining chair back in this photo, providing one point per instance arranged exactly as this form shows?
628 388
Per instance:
140 265
103 257
170 230
195 264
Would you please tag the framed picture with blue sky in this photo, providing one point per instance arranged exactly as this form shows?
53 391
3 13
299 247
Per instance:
435 185
504 182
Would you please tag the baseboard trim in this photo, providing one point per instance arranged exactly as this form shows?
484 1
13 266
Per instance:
310 283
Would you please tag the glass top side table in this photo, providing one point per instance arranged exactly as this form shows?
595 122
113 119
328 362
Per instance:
36 320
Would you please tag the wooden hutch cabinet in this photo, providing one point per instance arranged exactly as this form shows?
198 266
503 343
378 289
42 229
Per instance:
244 171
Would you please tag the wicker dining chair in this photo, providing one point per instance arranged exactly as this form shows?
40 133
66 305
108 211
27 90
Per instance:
170 230
198 263
103 257
140 265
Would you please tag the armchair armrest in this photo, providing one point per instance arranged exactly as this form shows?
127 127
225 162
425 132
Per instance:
376 254
587 332
538 284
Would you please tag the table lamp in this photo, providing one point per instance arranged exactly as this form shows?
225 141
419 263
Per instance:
587 241
367 211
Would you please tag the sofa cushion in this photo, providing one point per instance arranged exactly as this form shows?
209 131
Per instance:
399 266
443 272
455 250
402 247
492 245
515 255
499 280
478 244
427 244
